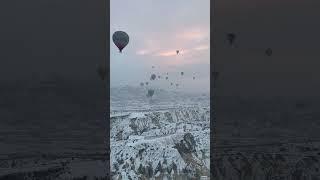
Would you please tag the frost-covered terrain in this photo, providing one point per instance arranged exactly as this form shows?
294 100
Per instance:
168 136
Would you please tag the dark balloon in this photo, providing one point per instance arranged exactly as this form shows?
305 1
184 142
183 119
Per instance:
194 78
153 77
150 93
147 83
177 51
167 78
171 84
120 39
182 73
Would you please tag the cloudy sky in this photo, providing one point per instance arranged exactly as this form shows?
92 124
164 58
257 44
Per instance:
157 29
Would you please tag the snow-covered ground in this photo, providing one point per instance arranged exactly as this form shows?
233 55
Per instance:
166 136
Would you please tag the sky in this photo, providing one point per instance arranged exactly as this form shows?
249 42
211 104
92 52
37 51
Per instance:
156 30
289 27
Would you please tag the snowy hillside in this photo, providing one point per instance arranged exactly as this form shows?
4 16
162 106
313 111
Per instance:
162 138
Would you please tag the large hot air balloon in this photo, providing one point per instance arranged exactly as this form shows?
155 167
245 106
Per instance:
153 77
120 39
231 37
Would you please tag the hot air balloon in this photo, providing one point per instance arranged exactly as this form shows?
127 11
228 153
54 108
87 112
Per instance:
171 84
177 51
147 83
268 52
159 77
194 78
182 73
120 39
150 93
141 84
231 37
167 78
153 77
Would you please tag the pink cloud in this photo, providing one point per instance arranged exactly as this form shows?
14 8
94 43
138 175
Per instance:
194 34
167 53
200 48
171 53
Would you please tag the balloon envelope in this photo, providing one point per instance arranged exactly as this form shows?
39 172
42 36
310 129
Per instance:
153 77
150 93
120 39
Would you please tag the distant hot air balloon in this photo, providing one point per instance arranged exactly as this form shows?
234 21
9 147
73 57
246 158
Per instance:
120 39
167 78
182 73
159 77
268 52
177 51
231 37
150 93
194 78
141 84
147 83
171 84
153 77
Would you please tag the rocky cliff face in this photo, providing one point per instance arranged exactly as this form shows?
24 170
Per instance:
158 142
